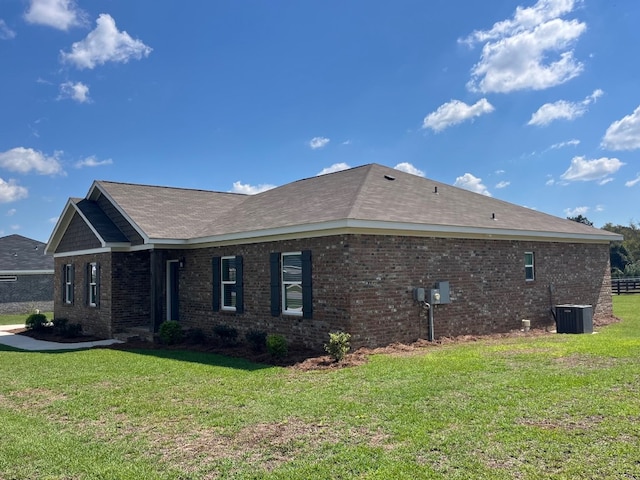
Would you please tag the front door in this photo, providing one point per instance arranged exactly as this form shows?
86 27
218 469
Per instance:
173 268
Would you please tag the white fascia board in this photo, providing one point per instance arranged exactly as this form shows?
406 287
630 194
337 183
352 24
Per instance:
91 251
135 226
395 228
61 225
26 272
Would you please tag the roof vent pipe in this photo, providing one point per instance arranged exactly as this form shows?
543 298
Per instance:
493 216
435 190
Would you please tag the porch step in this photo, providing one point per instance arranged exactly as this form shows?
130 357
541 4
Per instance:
135 333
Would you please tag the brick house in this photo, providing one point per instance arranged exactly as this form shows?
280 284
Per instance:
343 251
26 275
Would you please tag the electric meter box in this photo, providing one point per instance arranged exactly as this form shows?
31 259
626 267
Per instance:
443 288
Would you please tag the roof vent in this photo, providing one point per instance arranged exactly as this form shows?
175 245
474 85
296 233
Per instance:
493 216
390 177
435 190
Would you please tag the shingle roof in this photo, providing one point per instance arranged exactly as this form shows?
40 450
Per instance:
370 196
100 221
18 253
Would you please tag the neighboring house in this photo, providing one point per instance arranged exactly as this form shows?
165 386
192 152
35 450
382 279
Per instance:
26 275
343 251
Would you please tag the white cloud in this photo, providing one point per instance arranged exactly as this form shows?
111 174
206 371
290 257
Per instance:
15 227
409 168
624 134
239 187
24 160
503 184
318 142
469 182
633 182
105 44
54 220
568 143
93 162
455 112
529 51
336 167
10 191
76 91
585 170
60 14
11 212
5 32
574 212
562 109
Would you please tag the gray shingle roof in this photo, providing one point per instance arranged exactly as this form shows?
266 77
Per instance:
100 221
373 195
18 253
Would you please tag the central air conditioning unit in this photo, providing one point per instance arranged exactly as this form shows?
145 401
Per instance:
574 318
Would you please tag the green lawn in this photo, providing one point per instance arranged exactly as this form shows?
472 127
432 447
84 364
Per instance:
19 318
556 406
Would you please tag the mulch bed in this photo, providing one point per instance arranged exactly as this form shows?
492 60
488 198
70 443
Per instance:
300 359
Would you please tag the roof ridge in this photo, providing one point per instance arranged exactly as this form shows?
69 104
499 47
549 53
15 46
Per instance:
167 187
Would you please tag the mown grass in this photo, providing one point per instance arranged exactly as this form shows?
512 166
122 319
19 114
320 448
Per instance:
15 319
556 406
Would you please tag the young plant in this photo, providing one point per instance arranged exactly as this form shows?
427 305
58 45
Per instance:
277 346
228 335
257 339
338 346
36 321
170 332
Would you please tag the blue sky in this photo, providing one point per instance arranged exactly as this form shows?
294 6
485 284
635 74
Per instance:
534 103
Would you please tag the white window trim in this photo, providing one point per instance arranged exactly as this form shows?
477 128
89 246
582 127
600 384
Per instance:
93 292
68 284
8 278
284 284
223 283
530 265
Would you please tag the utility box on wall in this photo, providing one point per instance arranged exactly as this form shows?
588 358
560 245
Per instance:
440 294
574 318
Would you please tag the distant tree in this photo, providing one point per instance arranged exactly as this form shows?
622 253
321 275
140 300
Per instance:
581 219
625 255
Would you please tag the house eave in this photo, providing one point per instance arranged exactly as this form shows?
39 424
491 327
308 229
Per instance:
26 272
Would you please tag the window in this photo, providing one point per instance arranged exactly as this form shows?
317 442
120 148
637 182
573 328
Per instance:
529 273
291 270
291 292
67 283
228 283
8 278
93 284
228 287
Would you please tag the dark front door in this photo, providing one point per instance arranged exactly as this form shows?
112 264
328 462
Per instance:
173 268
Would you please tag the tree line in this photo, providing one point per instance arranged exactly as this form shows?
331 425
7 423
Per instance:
625 255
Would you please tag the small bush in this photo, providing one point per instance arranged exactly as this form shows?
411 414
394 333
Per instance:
338 345
228 335
257 339
36 321
196 336
73 330
170 332
60 325
277 346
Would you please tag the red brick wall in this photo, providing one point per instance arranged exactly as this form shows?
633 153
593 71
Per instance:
131 290
94 320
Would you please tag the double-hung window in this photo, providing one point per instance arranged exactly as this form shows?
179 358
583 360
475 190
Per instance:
93 284
529 272
291 292
227 282
67 283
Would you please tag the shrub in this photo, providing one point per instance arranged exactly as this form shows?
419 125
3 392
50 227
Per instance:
277 346
73 330
257 339
36 321
228 335
60 325
338 345
170 332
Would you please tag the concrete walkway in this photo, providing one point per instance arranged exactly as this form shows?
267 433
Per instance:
27 343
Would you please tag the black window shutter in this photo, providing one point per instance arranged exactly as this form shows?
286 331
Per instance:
239 285
215 287
274 262
64 283
73 282
307 300
97 284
